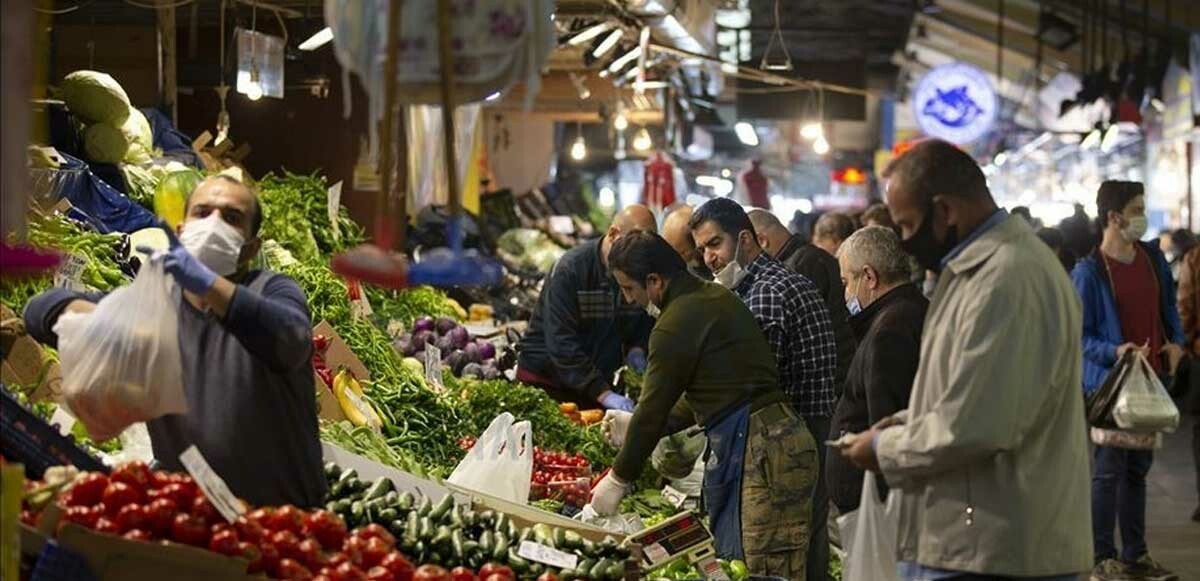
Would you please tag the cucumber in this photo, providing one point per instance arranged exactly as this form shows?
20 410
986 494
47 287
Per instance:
572 540
378 489
456 546
502 523
600 569
588 549
487 541
616 571
351 473
405 501
412 526
500 549
519 564
442 538
425 507
426 530
456 517
388 515
560 538
584 569
332 471
542 535
527 534
442 508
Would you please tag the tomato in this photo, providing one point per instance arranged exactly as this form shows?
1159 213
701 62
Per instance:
118 494
308 552
462 574
138 535
290 569
431 573
106 525
160 513
132 516
201 507
189 530
374 552
159 479
285 518
547 576
29 518
348 572
268 559
83 516
491 569
401 569
354 547
87 490
378 573
497 577
135 474
250 552
249 530
225 542
336 559
287 542
328 528
177 492
376 531
259 515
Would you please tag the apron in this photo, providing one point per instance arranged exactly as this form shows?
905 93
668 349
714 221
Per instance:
722 492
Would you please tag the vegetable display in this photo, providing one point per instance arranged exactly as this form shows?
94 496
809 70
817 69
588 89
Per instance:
558 476
461 355
94 97
296 215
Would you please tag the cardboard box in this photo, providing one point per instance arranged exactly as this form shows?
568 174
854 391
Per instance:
337 355
113 558
370 470
26 365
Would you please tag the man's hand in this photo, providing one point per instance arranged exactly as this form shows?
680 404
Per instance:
1174 355
612 400
616 425
607 495
861 451
80 306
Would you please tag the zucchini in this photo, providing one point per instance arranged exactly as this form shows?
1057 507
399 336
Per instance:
527 534
560 538
405 501
487 541
442 508
600 569
584 569
500 549
588 549
425 507
442 537
572 540
378 489
426 530
502 523
519 564
616 571
487 518
542 535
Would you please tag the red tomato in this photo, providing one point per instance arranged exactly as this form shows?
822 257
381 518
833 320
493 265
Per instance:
179 493
250 552
290 569
348 572
160 513
335 560
250 530
308 552
138 535
83 516
131 516
106 525
269 559
322 577
135 474
28 517
354 547
378 573
189 530
374 552
497 577
462 574
159 479
225 542
401 569
288 544
201 507
260 515
431 573
495 569
547 576
376 531
286 518
118 494
87 490
328 528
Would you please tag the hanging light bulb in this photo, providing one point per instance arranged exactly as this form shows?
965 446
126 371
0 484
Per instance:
811 131
821 146
642 141
620 123
579 147
254 91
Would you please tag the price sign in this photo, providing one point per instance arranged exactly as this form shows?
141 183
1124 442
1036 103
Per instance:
333 198
433 366
675 497
70 273
213 487
547 555
63 419
360 307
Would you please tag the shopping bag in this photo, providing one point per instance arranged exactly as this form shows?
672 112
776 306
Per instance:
501 462
1143 404
871 554
121 362
1126 440
1100 402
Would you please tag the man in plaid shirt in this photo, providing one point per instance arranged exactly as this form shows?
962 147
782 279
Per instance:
793 316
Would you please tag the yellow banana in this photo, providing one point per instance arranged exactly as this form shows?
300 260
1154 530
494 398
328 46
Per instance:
354 402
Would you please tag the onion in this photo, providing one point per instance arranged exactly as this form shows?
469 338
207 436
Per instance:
486 349
472 353
424 323
459 336
421 338
445 325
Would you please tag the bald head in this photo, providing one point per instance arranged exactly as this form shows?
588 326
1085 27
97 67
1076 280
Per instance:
772 234
635 218
678 234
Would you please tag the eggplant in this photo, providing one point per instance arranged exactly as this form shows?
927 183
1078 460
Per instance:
404 346
446 344
456 361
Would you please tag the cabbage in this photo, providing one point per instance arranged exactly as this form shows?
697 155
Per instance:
132 142
95 97
141 138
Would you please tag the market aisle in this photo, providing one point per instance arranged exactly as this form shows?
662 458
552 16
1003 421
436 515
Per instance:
1173 538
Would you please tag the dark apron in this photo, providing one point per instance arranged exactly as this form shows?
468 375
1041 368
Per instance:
722 491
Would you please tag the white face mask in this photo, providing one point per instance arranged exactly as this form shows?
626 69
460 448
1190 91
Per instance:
733 273
1136 228
214 243
653 310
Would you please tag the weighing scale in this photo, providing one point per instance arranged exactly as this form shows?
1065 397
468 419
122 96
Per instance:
683 535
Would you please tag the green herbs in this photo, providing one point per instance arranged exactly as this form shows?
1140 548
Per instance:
296 215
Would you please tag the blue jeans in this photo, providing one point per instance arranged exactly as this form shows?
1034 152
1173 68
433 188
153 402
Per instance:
1119 495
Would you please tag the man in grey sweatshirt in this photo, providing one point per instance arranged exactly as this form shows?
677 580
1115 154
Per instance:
246 342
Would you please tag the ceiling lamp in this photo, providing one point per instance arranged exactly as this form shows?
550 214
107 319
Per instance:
745 132
811 131
1111 136
1092 140
579 147
318 40
620 122
821 146
624 60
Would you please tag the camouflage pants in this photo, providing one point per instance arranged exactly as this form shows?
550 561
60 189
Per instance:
779 475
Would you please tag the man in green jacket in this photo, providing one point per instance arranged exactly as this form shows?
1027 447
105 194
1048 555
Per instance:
709 364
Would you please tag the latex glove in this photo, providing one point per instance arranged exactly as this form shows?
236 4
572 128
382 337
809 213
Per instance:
607 494
189 273
612 400
636 359
616 425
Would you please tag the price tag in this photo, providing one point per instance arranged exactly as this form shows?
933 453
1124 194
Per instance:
70 273
655 553
363 408
433 366
213 487
675 497
333 198
712 569
63 419
360 307
547 556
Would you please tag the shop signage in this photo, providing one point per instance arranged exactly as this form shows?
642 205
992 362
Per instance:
955 102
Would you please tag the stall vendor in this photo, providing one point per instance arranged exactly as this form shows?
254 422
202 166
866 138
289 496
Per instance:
709 364
581 331
246 342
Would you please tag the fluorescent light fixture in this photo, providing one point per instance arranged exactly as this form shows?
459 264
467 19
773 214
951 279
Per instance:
1092 140
620 122
589 33
811 130
646 85
318 40
1111 136
642 141
608 43
492 97
579 149
821 146
745 133
625 59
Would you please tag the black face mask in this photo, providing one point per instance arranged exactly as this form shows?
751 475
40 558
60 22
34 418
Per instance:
926 248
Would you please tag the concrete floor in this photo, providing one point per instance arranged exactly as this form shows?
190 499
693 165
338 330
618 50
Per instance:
1173 538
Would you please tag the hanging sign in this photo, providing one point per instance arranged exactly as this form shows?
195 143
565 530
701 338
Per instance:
955 102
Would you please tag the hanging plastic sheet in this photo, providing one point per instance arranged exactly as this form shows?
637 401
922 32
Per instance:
426 156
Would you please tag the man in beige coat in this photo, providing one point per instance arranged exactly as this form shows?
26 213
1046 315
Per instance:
990 458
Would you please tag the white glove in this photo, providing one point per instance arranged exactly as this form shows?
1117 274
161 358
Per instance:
607 495
616 425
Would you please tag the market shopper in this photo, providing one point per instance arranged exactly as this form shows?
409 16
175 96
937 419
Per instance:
830 230
581 331
877 215
1189 313
246 343
887 313
678 234
990 457
710 365
1128 304
793 316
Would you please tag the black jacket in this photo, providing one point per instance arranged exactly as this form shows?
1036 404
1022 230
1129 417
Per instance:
582 327
880 380
822 269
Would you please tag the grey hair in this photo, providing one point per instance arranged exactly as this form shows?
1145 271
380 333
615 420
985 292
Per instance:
879 248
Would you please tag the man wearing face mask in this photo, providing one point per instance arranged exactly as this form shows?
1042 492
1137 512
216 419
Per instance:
1129 302
710 365
678 234
990 458
791 313
887 312
246 344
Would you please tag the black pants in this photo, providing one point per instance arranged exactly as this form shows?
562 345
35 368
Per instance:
818 543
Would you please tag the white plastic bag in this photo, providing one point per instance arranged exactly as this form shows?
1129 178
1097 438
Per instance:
121 362
1143 404
501 463
871 554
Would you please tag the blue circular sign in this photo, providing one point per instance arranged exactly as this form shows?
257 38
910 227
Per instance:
955 102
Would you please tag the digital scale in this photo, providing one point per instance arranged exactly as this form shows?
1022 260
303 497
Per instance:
683 535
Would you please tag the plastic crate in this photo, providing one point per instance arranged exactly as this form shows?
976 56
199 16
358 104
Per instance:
58 564
30 440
